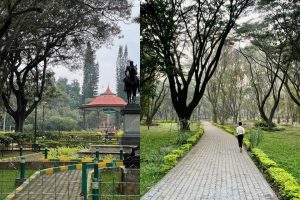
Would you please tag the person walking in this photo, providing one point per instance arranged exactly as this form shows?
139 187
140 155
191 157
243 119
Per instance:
240 131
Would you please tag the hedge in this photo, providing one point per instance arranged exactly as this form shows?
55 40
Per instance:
264 161
172 158
288 187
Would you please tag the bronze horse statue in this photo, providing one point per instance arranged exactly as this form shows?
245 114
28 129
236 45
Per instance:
132 83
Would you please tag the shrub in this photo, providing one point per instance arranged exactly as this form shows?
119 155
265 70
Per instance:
169 162
20 137
247 144
50 144
263 159
255 137
5 140
192 140
185 147
178 152
64 153
263 124
286 183
181 138
171 159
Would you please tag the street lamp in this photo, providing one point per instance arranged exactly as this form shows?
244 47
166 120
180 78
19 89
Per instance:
36 99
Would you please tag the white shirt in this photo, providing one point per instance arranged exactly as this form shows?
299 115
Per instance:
240 130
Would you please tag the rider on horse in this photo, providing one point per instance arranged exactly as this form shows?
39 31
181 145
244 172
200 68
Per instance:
131 82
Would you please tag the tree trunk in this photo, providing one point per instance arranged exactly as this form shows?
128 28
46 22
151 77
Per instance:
19 122
235 118
184 125
215 115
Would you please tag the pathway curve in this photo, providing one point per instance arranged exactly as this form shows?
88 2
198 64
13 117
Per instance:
213 170
64 185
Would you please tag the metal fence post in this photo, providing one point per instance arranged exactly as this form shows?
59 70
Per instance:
121 154
95 186
46 153
21 151
96 169
84 181
22 168
97 155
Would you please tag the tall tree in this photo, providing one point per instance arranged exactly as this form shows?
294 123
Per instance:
52 36
90 74
189 37
155 102
11 19
121 64
119 81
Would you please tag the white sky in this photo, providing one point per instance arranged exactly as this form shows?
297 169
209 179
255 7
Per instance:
107 56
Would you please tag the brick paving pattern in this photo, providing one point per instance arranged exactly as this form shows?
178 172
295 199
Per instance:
60 186
213 170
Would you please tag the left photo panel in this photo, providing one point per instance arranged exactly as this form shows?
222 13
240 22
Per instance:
70 101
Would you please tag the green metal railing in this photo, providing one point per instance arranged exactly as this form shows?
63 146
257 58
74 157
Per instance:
90 181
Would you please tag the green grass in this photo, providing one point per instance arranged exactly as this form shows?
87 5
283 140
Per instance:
156 143
7 181
284 148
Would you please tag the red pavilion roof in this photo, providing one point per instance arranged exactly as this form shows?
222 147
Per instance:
106 99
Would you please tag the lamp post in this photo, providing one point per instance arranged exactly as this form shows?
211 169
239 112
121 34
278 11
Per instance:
36 99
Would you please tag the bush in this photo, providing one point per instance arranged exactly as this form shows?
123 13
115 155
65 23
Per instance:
181 138
171 159
61 123
178 152
169 162
263 124
5 140
263 159
255 137
50 144
286 183
64 153
247 144
20 137
185 147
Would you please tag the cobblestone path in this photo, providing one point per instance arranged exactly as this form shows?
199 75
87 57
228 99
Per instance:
213 170
64 185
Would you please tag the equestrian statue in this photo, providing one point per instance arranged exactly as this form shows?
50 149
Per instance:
132 83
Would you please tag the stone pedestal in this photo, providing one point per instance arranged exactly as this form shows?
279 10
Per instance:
130 182
131 114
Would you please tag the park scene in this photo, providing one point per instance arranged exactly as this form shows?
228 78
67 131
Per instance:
70 102
205 67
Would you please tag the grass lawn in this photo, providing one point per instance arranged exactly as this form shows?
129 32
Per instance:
284 148
7 181
156 143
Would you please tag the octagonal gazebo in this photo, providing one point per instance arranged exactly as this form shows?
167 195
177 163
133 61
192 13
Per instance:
108 103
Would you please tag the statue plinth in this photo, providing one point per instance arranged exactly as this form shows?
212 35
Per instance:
131 114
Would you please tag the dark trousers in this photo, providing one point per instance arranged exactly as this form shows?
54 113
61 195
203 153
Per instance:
240 139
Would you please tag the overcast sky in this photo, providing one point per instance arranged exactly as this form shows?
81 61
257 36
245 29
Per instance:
106 57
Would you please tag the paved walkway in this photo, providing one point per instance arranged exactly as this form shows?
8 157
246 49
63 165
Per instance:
60 186
213 169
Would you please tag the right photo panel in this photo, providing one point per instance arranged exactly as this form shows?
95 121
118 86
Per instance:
220 100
